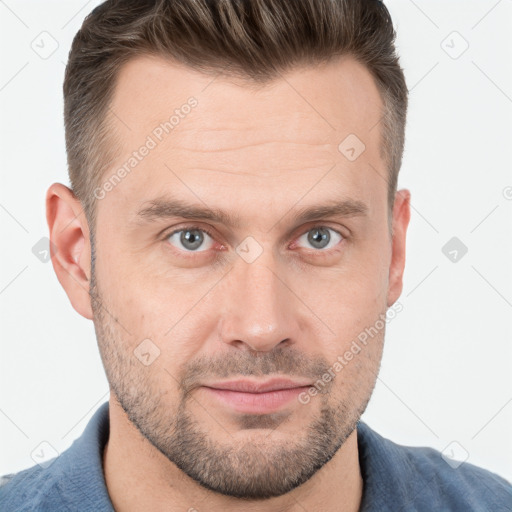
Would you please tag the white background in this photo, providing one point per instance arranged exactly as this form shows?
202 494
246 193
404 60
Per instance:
446 371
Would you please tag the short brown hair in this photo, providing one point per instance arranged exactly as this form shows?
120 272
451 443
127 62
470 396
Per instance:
255 40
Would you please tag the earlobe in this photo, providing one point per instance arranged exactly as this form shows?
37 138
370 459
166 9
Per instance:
401 217
70 246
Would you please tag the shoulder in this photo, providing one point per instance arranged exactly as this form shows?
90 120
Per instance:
425 480
30 489
454 484
5 478
73 480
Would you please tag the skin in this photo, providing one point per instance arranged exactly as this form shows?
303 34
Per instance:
260 154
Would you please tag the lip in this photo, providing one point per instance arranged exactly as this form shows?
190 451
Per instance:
252 386
253 397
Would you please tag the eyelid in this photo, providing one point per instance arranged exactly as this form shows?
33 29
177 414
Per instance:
187 227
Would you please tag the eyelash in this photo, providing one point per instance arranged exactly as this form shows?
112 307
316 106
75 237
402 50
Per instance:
319 252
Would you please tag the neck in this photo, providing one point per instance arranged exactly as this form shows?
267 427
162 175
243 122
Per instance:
142 478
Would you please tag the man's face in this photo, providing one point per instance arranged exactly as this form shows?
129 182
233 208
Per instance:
268 293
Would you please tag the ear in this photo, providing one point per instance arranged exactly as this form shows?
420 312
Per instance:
70 248
401 217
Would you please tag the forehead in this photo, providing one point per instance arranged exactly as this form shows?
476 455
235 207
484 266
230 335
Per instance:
211 136
332 97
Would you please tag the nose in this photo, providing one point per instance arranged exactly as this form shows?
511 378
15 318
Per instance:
260 309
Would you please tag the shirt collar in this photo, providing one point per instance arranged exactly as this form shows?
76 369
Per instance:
82 465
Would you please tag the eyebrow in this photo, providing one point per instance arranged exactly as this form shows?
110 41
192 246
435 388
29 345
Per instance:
166 208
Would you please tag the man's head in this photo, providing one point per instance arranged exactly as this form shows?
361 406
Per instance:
237 163
256 41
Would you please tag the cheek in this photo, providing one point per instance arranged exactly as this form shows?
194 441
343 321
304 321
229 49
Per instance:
350 298
172 311
357 370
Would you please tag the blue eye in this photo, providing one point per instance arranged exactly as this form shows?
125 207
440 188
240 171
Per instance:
194 239
190 238
320 238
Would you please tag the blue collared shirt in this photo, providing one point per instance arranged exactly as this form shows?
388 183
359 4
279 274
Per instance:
396 478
